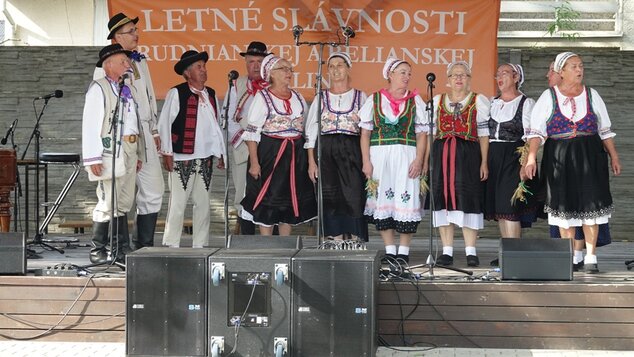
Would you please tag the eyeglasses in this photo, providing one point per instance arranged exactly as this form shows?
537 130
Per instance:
133 30
285 69
459 76
503 74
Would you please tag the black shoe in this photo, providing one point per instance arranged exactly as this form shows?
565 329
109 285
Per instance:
98 256
495 262
388 258
99 242
473 261
578 266
145 227
591 268
444 260
403 257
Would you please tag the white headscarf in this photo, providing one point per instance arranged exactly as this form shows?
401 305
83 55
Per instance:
267 65
390 66
561 59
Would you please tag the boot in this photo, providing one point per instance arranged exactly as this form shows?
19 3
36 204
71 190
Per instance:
146 224
122 237
99 242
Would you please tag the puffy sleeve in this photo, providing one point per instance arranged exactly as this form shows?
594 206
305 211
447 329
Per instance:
258 112
539 117
365 114
605 125
169 112
312 126
422 119
529 103
92 122
483 107
435 112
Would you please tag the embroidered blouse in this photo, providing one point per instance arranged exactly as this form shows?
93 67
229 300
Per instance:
267 116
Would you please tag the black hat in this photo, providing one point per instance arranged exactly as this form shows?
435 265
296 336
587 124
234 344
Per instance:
188 58
117 21
109 51
255 49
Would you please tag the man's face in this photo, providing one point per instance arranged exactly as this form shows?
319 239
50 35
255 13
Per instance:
196 73
116 65
553 77
127 36
253 66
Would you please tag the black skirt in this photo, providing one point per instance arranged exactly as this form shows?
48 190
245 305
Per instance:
577 178
504 168
469 190
276 205
343 186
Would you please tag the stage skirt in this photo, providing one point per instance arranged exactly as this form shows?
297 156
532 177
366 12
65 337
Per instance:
398 204
343 186
504 169
578 182
284 200
458 193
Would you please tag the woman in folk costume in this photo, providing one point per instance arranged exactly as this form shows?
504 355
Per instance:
460 162
572 122
279 191
343 182
393 142
509 119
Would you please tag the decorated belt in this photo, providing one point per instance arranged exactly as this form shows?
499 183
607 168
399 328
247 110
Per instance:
130 138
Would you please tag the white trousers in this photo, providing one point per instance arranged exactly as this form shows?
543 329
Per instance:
124 188
176 210
149 180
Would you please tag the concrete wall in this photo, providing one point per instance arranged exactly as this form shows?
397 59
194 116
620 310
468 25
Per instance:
28 72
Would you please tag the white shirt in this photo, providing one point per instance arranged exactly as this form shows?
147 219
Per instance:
502 112
367 113
259 114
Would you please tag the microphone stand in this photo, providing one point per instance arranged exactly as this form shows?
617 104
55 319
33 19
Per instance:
37 239
319 99
17 193
225 124
431 261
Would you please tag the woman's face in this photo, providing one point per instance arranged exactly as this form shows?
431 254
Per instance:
400 76
338 70
459 78
506 78
572 73
282 74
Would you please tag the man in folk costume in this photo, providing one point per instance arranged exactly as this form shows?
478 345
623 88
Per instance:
190 138
97 151
149 180
242 94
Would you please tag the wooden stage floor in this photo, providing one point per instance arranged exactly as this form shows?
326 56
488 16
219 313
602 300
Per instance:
594 312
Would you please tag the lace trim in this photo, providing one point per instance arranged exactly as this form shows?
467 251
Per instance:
579 215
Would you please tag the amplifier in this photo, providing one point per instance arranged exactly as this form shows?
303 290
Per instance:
12 253
535 259
264 242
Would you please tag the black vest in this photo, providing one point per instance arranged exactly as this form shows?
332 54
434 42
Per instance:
178 126
511 130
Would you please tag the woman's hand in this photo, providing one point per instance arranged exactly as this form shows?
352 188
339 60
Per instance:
415 168
255 170
367 169
484 171
313 171
616 165
530 169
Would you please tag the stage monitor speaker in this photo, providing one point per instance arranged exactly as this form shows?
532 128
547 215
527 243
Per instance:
250 292
12 253
166 304
535 259
335 302
264 242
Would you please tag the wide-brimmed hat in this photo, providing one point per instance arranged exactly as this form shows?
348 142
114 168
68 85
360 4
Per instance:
117 21
256 49
109 51
188 58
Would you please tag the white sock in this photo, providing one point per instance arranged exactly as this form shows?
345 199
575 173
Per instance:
390 249
577 257
470 250
590 259
448 251
197 246
404 250
173 246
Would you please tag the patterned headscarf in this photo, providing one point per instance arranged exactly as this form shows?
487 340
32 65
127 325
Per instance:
267 65
390 65
561 59
459 63
520 72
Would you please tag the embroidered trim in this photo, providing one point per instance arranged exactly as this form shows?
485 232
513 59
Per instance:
579 215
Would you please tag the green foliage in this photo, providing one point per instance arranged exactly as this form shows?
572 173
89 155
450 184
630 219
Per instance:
564 22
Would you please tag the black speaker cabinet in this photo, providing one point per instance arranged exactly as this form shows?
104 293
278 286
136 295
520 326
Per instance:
166 301
535 259
264 242
250 293
334 303
12 253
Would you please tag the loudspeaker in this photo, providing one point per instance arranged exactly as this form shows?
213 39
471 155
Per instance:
12 253
334 302
264 242
166 301
250 292
535 259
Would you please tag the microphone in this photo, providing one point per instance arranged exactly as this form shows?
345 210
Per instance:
4 140
123 77
297 31
57 94
431 77
233 75
348 33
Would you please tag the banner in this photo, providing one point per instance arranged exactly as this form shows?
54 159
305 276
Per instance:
429 34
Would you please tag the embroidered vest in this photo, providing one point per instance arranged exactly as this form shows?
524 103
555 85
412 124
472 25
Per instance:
560 127
277 121
402 132
184 126
345 121
461 125
511 130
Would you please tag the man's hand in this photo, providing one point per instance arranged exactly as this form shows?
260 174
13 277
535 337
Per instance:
221 163
157 143
96 169
168 163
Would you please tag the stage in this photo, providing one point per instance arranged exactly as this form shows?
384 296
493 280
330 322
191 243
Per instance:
594 312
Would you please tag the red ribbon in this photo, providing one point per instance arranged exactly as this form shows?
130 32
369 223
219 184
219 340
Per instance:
257 85
395 103
267 183
449 164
